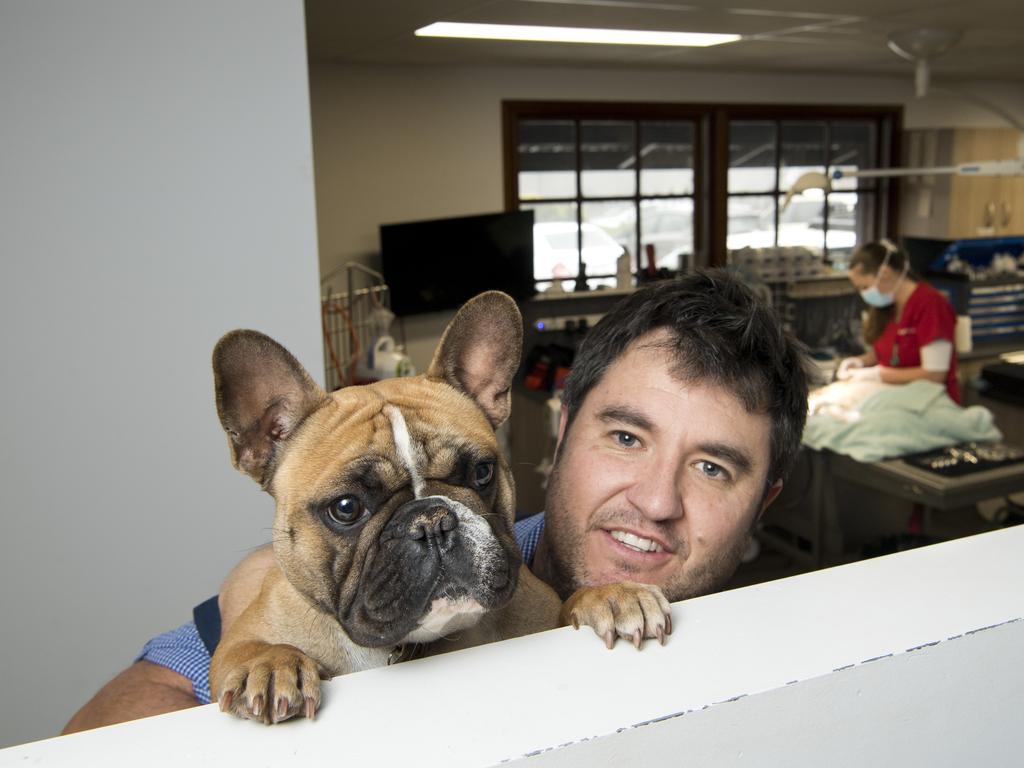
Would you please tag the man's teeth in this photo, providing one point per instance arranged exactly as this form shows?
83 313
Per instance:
637 543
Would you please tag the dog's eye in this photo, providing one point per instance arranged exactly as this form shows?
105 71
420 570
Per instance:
346 510
483 473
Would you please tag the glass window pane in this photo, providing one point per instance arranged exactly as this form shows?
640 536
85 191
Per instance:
555 244
850 222
852 147
751 156
802 224
666 158
547 159
751 222
803 150
608 156
667 225
551 211
608 229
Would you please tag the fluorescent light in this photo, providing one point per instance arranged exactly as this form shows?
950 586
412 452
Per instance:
572 34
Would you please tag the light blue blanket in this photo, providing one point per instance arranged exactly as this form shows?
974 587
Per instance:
895 421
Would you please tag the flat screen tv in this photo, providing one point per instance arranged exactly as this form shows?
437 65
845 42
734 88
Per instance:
438 264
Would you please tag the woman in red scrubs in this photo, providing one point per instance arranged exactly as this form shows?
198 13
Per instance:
909 327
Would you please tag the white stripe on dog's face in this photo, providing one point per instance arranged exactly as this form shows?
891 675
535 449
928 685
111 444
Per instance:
403 444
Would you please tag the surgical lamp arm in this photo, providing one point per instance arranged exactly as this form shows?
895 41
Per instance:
987 168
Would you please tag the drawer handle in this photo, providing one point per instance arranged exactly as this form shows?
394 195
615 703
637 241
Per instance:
989 219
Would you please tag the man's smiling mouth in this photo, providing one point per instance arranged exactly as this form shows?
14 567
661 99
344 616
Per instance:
638 543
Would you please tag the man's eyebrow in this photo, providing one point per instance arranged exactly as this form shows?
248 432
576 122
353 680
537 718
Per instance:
626 415
739 458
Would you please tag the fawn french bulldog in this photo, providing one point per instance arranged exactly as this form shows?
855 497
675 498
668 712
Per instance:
394 515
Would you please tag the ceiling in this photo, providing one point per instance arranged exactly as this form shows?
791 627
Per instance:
819 36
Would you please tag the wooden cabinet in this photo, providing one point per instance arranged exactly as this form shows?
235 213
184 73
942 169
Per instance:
949 207
1011 212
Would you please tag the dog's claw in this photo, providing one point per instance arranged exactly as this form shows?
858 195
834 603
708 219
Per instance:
609 639
310 708
575 622
661 634
273 684
668 623
638 637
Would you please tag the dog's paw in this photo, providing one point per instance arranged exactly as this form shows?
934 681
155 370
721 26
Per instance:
274 684
627 609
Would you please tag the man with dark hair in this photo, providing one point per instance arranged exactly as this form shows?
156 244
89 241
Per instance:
680 420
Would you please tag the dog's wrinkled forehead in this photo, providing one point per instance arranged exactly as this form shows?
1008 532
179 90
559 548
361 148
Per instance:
430 444
409 434
410 454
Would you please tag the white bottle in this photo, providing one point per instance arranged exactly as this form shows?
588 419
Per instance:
624 270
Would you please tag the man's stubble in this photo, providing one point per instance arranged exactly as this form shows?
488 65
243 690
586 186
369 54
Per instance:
565 536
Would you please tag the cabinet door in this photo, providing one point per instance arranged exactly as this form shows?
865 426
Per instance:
975 200
1011 198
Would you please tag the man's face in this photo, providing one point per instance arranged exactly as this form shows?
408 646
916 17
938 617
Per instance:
656 481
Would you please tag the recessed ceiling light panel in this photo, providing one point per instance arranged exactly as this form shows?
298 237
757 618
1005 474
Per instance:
572 34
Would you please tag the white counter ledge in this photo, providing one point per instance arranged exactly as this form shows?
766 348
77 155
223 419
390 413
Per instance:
914 658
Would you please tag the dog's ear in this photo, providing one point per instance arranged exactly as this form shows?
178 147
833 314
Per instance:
479 352
263 394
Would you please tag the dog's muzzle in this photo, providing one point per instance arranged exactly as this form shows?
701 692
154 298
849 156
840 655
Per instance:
432 549
431 522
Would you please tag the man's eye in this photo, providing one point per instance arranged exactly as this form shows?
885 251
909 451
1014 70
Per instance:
625 439
712 470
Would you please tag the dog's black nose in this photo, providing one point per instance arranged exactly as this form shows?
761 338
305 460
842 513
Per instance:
433 523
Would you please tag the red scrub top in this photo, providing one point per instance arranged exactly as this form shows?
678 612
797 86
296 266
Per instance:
926 317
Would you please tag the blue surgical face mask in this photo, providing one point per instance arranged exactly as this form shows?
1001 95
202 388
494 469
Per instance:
874 297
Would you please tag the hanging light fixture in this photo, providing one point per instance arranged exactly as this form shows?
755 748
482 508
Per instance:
921 46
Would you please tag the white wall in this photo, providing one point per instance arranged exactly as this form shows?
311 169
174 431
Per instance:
155 191
404 143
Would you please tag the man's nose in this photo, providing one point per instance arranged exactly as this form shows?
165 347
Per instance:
657 491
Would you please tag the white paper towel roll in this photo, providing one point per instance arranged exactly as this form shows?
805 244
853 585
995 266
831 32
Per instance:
962 334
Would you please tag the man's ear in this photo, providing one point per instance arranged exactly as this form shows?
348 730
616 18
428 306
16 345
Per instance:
479 352
773 492
263 394
563 422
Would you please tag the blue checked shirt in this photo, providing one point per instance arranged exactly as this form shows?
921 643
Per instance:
184 650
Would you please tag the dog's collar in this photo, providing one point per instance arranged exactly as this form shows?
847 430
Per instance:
405 652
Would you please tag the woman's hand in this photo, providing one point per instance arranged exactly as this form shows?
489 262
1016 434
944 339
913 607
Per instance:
874 373
847 366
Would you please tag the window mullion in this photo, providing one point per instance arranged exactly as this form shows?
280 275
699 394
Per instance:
778 178
636 193
827 149
579 195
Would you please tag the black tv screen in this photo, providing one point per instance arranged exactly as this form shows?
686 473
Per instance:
439 264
